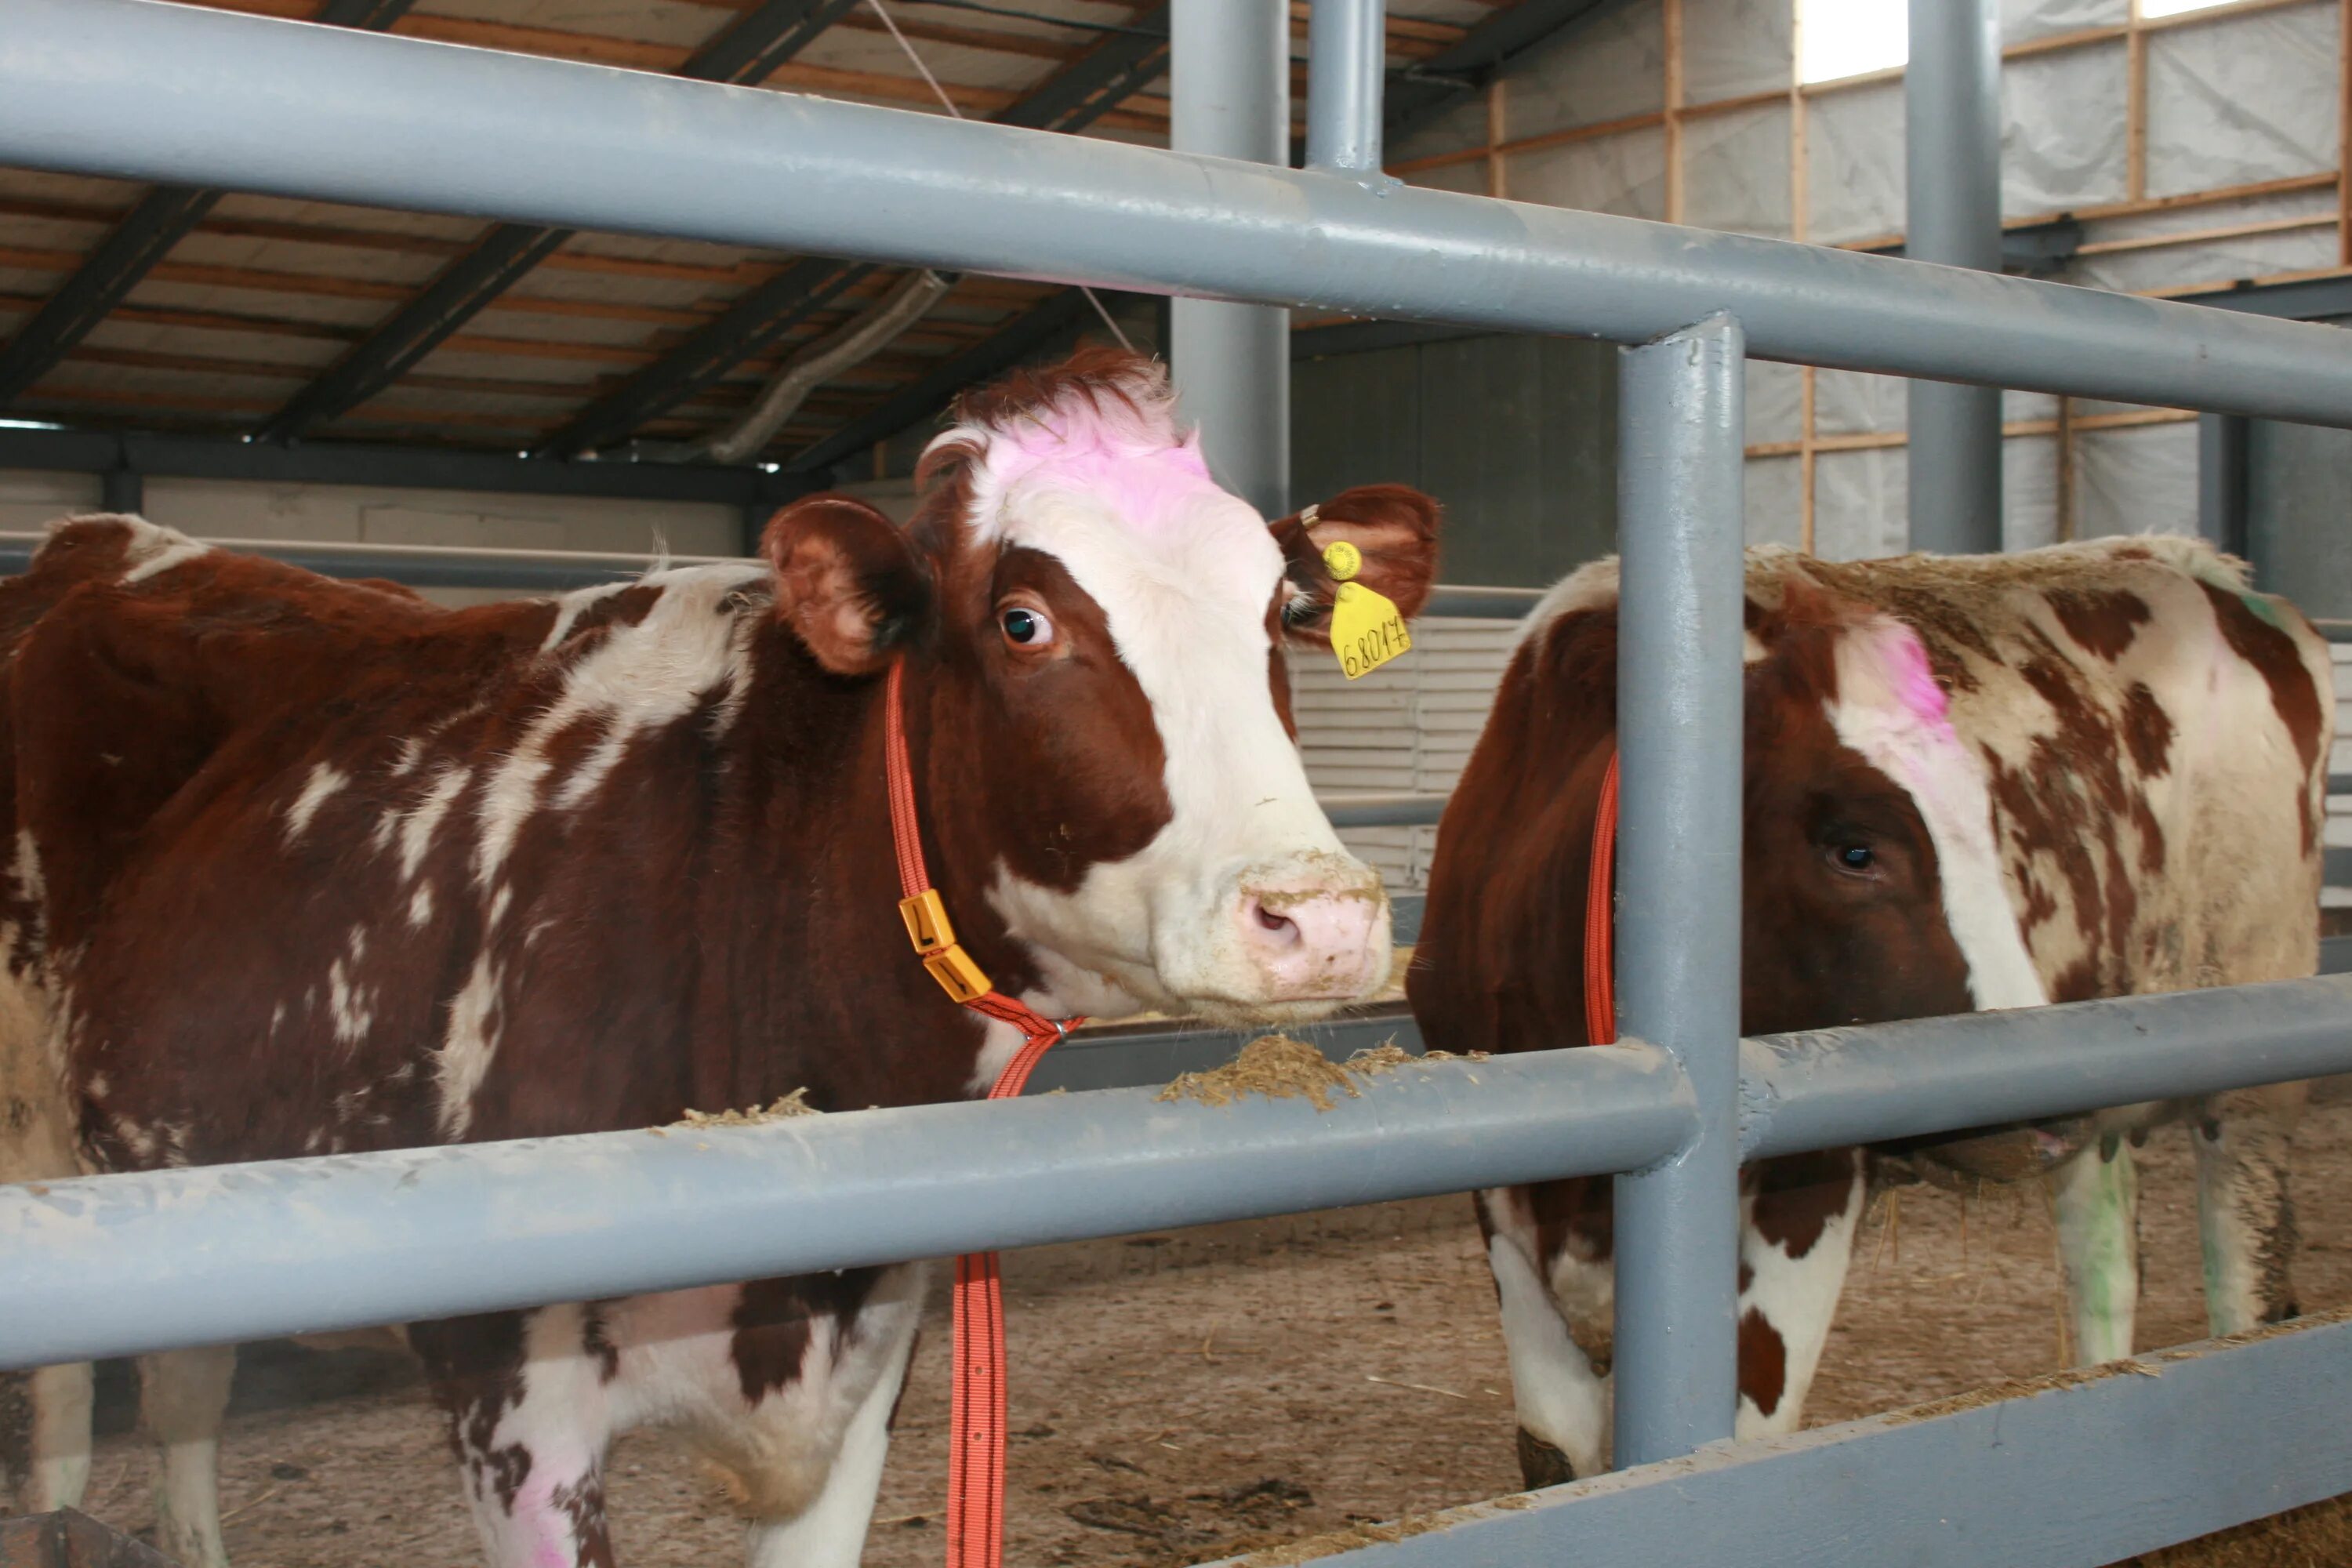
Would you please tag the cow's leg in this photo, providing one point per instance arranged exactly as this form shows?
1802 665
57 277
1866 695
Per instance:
2098 1241
45 1434
866 1366
1561 1397
183 1395
1796 1239
2245 1213
43 1413
526 1395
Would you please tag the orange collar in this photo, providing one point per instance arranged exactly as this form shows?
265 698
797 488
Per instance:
1601 918
925 914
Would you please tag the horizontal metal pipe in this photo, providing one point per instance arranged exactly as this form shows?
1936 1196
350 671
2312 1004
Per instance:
108 1265
519 570
1400 810
133 90
1482 603
1828 1088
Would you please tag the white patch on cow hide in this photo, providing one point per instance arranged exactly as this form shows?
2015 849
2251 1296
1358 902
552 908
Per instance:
151 549
420 821
693 642
1889 709
467 1046
420 906
325 779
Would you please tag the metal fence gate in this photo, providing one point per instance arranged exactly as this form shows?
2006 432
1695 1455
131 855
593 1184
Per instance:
2099 1467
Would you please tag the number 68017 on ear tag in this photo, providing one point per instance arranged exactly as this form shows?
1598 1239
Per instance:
1366 629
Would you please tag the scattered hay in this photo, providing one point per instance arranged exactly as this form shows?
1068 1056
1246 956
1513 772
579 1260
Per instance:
1280 1068
783 1110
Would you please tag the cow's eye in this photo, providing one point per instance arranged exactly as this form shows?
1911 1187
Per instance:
1854 858
1025 628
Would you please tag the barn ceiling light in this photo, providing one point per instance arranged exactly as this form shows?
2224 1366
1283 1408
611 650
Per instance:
1848 37
2175 8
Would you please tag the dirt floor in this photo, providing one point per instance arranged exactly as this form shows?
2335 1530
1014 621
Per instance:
1177 1398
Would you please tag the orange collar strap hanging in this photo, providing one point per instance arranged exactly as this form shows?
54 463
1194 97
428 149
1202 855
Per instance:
976 1413
1601 918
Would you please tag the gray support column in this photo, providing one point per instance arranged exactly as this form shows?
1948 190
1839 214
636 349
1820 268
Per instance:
2221 441
124 489
1346 61
1679 733
1952 126
1231 363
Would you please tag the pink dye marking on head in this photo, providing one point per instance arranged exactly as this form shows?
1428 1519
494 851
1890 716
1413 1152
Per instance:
1141 468
1912 677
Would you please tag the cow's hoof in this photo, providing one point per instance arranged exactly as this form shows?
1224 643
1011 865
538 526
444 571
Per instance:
1542 1465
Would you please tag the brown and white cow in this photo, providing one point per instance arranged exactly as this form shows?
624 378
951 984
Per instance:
2095 770
304 866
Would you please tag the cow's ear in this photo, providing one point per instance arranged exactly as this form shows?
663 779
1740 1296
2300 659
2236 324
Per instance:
848 582
1393 527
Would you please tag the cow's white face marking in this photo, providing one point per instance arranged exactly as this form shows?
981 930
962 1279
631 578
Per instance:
1245 903
1890 710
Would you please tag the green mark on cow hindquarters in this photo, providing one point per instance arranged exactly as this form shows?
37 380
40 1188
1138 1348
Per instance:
2264 606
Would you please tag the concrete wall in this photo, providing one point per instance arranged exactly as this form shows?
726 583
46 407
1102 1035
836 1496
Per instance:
1518 437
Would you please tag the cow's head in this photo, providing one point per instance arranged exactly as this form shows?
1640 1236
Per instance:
1875 884
1094 632
1871 884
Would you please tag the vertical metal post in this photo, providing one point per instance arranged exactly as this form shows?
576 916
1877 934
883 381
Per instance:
1952 125
1680 736
1347 59
1231 69
2221 441
124 489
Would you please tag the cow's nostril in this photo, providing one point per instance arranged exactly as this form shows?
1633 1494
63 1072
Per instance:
1268 920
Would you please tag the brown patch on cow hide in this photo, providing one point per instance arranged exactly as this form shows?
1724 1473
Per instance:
1763 1362
596 620
2078 982
2294 696
2103 620
1798 1196
773 1319
581 1503
2147 730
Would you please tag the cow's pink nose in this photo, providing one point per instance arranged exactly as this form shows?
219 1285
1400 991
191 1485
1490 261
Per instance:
1313 944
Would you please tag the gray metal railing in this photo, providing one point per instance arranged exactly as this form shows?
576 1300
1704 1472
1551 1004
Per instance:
132 89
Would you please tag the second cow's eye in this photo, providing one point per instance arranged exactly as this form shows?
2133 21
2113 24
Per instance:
1026 628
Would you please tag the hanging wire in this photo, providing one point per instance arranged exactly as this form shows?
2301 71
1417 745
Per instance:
892 24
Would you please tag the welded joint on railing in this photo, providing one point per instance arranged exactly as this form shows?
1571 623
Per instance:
1759 1097
1682 1095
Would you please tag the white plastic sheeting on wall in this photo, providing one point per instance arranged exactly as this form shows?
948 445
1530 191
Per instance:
2024 19
1853 164
2029 491
1774 496
1736 170
1608 68
2242 98
2063 120
1625 174
1734 48
1859 503
1776 405
2136 481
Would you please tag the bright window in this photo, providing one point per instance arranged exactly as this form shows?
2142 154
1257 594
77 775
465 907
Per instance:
1847 38
2174 7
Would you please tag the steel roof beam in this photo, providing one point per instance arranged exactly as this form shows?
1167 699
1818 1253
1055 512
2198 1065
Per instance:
1069 100
164 217
749 50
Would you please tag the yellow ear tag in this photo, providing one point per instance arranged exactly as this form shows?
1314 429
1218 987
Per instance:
1366 630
